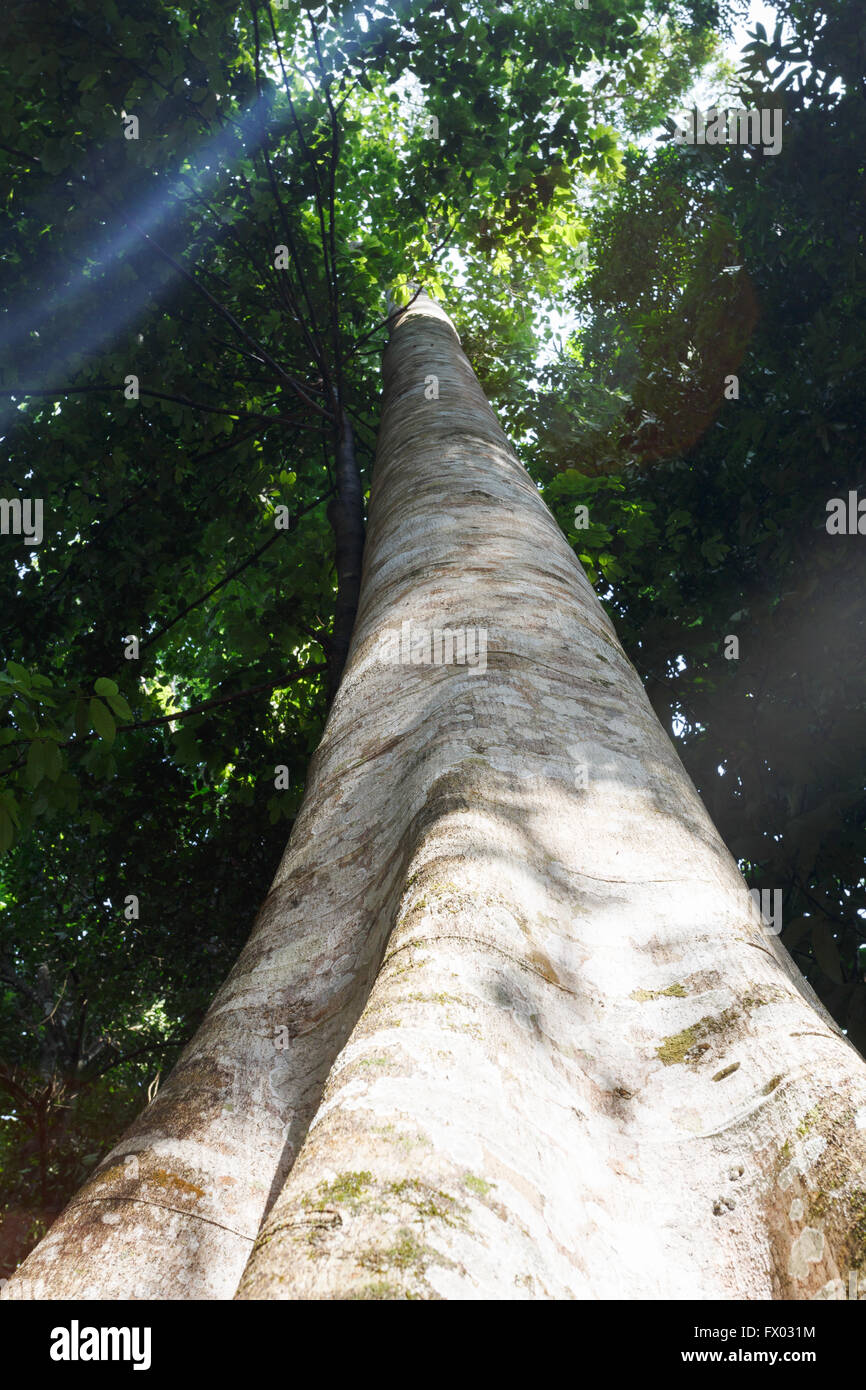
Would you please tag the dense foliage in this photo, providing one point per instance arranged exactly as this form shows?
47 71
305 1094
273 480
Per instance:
709 511
191 317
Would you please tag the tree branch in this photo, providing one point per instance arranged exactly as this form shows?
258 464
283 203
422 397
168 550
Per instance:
346 515
240 415
230 318
251 558
279 683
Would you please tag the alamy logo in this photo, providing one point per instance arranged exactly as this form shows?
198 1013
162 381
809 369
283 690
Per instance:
846 519
768 903
439 646
76 1343
22 518
731 125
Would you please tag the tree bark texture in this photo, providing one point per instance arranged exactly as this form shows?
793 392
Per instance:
540 1044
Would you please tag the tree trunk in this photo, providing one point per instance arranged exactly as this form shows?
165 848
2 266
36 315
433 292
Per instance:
564 1058
346 515
585 1069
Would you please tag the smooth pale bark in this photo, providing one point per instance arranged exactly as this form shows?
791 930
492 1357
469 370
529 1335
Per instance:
563 1058
585 1069
171 1213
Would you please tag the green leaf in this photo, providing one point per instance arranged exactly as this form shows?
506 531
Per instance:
120 707
34 770
82 724
20 673
104 686
52 761
102 721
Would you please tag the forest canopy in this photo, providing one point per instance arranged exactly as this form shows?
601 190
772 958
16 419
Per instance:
212 213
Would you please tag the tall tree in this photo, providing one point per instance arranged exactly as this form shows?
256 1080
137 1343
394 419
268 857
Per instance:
205 205
564 1056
